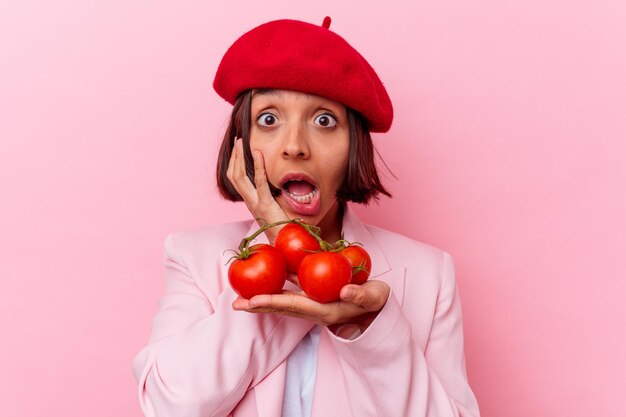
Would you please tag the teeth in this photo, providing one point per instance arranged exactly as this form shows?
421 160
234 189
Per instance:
305 198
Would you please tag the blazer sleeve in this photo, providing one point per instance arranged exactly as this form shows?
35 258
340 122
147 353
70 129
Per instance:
202 358
389 374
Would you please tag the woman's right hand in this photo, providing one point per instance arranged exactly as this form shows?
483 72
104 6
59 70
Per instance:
258 197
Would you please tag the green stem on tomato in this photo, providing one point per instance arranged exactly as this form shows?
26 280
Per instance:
245 242
315 232
311 229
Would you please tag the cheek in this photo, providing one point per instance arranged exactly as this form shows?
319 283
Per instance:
269 162
340 160
335 169
255 145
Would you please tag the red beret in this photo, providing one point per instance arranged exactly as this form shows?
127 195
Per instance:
294 55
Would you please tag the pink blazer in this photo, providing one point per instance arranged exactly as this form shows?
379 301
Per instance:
204 359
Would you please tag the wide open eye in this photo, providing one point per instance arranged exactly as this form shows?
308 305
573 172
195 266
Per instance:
326 120
266 119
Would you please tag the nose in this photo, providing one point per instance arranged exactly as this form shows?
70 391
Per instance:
295 144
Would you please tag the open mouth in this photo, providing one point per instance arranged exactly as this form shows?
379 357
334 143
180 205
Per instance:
300 190
301 193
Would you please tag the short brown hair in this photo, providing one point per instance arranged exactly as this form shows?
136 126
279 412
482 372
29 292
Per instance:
360 184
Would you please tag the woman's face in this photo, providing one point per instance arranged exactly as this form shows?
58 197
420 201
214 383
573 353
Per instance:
304 140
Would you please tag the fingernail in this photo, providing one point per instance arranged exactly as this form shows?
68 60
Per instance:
255 156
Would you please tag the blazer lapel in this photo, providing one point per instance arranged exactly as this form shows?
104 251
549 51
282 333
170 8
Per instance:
355 231
269 392
329 397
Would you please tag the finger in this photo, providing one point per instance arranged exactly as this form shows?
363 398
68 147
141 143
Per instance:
371 296
260 179
231 172
231 162
241 304
242 176
281 301
283 313
240 162
289 302
266 202
239 178
304 307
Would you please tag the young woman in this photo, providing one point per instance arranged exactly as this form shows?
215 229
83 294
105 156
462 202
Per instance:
298 145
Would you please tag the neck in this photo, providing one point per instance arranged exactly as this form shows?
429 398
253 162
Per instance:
332 222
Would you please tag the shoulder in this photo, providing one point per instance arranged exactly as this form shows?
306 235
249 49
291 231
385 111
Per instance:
403 250
203 254
427 269
210 240
428 278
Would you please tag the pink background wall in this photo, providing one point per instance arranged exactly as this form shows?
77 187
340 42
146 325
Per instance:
508 144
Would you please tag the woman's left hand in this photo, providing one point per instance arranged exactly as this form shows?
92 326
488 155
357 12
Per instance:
359 304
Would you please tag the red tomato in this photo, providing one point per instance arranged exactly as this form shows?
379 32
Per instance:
263 272
322 275
293 241
358 256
